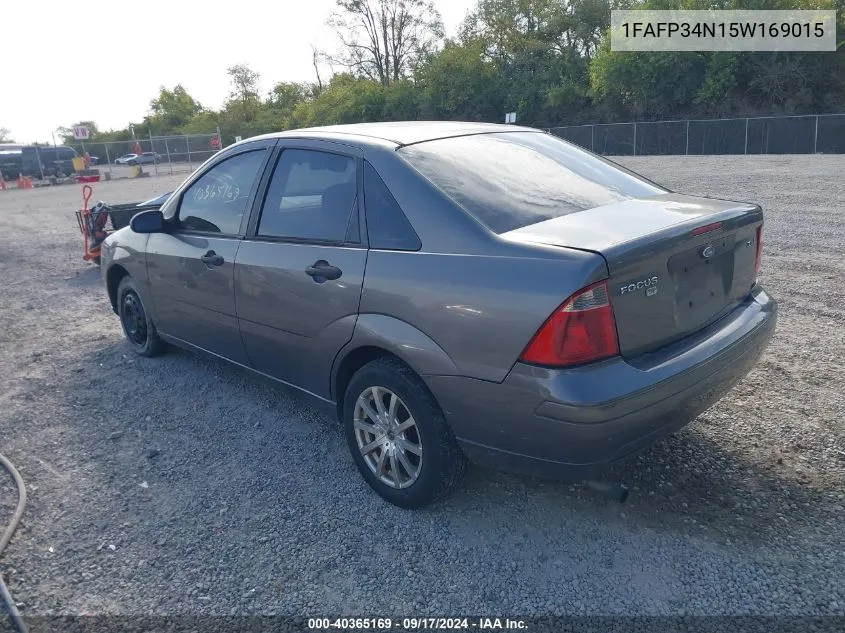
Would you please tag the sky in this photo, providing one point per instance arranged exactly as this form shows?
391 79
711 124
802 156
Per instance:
104 60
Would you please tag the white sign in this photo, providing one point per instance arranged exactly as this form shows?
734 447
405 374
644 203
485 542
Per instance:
238 139
81 133
510 117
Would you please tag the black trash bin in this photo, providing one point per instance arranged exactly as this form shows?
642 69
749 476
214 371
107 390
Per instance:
120 214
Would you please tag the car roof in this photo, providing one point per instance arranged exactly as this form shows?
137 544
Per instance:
399 132
44 148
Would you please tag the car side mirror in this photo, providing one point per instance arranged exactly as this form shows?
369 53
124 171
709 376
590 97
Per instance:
147 222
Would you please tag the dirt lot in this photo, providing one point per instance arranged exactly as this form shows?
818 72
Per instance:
182 169
178 485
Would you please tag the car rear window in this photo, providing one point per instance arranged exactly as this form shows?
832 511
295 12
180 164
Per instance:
509 180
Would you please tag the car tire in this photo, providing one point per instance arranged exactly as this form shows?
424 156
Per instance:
138 326
431 463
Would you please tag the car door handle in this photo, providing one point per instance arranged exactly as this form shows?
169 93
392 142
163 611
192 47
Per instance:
212 259
322 270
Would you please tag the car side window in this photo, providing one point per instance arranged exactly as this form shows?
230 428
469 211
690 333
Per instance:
217 201
387 226
311 196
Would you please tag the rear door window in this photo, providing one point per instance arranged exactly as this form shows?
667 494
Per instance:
509 180
312 196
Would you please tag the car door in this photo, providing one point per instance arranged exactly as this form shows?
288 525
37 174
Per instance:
191 266
299 271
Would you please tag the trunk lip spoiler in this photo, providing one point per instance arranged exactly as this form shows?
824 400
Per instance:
729 219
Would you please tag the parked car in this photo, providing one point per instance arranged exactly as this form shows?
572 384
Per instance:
147 158
11 158
35 160
124 160
453 291
47 159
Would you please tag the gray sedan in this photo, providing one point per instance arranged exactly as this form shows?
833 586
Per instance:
452 292
147 158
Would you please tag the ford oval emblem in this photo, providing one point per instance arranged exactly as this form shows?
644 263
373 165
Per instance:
708 251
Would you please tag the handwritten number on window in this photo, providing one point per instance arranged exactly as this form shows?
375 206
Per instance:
211 192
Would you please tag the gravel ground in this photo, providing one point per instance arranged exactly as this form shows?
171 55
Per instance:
179 485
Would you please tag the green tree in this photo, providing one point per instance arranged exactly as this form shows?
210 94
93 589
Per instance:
402 101
645 84
172 109
244 82
385 40
243 111
345 99
286 95
202 123
657 85
542 50
460 83
5 135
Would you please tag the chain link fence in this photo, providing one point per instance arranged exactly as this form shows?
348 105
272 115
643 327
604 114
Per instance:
811 134
155 154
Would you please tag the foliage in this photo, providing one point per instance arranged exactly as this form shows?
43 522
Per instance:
173 108
244 83
549 60
5 135
655 85
384 40
459 83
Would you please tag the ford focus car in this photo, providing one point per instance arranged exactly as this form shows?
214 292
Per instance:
452 292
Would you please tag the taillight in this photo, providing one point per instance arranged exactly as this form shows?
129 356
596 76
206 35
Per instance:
759 255
581 330
707 228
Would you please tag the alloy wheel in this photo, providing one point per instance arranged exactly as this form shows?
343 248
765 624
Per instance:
388 437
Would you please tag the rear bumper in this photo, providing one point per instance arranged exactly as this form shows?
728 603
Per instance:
575 423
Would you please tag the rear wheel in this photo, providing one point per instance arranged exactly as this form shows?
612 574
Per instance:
137 325
398 435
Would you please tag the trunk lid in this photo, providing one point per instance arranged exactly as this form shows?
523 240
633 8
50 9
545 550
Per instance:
677 263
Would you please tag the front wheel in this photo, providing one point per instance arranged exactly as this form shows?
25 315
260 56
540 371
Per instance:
137 325
398 436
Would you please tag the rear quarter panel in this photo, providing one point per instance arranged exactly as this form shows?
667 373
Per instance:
481 310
